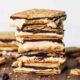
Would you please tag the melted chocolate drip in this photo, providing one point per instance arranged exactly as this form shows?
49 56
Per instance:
41 55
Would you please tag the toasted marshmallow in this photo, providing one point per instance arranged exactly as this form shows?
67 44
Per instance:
41 46
18 23
52 24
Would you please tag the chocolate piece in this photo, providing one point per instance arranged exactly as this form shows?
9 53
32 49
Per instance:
51 26
42 59
38 23
34 29
42 54
5 76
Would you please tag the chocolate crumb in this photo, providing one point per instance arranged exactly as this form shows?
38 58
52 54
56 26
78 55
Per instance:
5 76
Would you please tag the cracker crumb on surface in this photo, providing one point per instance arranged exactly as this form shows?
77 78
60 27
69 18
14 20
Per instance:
75 71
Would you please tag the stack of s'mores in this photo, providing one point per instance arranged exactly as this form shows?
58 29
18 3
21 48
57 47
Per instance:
8 46
39 37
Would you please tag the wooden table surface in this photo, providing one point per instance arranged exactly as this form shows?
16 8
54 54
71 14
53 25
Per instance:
6 68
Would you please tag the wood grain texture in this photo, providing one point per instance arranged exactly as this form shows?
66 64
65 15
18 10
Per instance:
6 68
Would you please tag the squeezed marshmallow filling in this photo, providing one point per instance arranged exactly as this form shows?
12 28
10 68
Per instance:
41 45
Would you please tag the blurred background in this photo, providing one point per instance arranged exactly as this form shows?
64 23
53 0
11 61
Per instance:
71 25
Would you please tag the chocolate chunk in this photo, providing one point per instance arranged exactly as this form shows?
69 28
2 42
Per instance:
5 76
